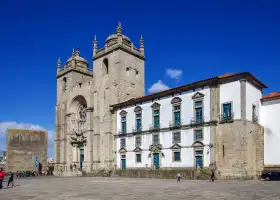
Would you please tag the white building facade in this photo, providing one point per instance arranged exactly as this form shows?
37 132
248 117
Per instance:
270 119
188 126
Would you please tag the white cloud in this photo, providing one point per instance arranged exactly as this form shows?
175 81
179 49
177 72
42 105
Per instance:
157 87
6 125
174 73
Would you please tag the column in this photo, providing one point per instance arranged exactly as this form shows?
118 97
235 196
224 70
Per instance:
89 138
243 98
214 116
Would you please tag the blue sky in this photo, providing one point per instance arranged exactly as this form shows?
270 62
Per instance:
185 41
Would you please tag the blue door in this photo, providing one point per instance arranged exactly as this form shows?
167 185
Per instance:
156 160
198 161
81 158
123 163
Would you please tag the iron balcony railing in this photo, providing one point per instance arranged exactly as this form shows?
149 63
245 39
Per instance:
225 117
121 133
197 121
137 129
175 124
154 127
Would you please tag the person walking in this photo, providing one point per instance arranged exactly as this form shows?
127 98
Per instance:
11 179
2 174
178 177
212 175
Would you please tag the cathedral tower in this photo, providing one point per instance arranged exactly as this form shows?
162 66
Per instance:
74 73
85 127
118 76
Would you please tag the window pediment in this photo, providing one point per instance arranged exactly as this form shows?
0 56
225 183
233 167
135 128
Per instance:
122 150
155 105
137 149
176 100
176 146
137 109
198 144
197 95
123 112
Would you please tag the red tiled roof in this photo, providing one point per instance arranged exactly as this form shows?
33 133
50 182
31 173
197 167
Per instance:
206 82
226 75
271 96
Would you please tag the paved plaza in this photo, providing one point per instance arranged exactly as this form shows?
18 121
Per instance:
85 188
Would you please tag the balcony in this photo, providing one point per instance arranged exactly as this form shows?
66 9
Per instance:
255 119
175 124
225 118
197 121
137 130
121 133
154 128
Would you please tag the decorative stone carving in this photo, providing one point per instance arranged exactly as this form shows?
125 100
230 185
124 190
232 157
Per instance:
176 146
137 149
197 95
137 109
123 112
155 147
77 137
155 105
176 100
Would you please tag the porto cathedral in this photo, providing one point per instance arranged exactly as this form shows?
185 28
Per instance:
84 133
104 121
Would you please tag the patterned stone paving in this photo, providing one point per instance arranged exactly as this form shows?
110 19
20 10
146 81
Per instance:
86 188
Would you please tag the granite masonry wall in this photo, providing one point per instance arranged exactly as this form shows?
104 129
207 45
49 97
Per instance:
22 148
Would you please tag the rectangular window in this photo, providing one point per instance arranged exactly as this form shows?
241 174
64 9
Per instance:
227 111
177 115
156 139
177 156
123 124
138 158
198 111
138 121
122 142
176 137
138 141
198 134
156 118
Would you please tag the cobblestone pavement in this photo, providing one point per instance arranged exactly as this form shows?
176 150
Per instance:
85 188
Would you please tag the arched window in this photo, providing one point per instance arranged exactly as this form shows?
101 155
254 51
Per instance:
106 66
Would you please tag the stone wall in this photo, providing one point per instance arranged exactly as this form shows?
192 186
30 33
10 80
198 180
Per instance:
22 148
163 173
239 150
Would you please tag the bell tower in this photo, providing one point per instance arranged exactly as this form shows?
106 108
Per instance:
119 75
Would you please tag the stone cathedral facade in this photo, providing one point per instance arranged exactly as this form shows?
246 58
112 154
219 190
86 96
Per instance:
85 126
104 121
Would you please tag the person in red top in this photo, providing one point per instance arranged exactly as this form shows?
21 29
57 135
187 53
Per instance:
2 174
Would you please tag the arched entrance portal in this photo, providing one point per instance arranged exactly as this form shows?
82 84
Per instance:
79 120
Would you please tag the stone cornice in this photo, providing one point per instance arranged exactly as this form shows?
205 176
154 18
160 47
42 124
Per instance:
117 47
70 69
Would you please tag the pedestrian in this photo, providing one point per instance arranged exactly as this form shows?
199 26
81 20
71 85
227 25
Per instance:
2 174
212 175
178 177
11 180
